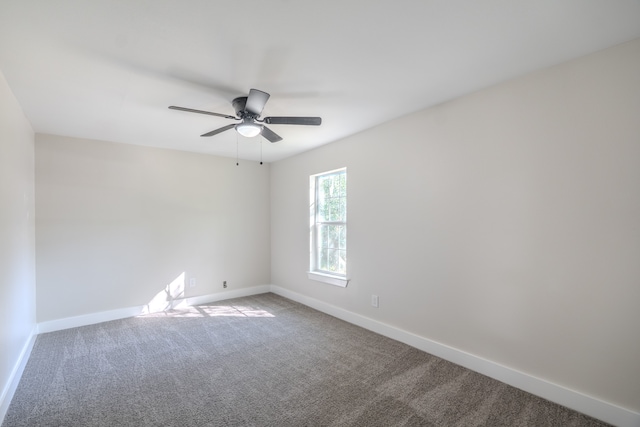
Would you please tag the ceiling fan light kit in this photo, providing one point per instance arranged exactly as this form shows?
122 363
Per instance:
248 129
248 109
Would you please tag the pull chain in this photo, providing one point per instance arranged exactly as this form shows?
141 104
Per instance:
261 149
237 151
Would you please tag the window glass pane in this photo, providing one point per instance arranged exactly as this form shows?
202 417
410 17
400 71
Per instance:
331 200
330 209
335 208
321 208
323 261
332 264
325 187
342 262
331 236
331 249
322 236
334 236
322 243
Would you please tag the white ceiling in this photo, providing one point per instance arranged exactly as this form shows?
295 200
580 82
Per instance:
108 69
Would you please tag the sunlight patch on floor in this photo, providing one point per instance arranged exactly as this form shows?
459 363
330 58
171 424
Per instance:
171 302
210 311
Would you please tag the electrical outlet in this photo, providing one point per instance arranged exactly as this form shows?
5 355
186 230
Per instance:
374 300
224 284
192 282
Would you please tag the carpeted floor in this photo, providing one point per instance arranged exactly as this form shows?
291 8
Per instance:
257 361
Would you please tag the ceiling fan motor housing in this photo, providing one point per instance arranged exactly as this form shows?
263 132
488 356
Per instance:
239 105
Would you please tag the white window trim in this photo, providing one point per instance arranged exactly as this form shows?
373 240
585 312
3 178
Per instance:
327 278
319 275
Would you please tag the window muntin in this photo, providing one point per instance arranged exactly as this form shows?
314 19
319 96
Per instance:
329 224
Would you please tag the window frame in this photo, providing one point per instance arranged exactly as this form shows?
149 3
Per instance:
315 273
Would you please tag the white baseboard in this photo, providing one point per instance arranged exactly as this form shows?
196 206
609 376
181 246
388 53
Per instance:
572 399
14 378
87 319
106 316
235 293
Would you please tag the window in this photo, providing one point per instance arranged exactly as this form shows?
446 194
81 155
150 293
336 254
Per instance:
328 227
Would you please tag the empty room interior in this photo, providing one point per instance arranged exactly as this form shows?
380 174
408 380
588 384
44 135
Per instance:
484 158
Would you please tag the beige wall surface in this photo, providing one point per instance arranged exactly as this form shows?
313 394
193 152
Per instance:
505 224
17 246
119 225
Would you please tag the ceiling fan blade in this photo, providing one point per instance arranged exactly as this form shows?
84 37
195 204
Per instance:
217 131
270 135
191 110
310 121
256 101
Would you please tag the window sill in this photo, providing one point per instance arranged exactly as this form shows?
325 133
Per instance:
327 278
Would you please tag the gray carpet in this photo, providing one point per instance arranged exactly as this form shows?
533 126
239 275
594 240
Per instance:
257 361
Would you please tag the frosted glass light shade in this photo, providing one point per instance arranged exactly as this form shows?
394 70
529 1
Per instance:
248 129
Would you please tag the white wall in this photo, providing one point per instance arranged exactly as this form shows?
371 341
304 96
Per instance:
505 224
116 224
17 248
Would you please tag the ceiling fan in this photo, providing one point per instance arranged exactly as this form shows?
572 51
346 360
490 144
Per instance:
248 110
